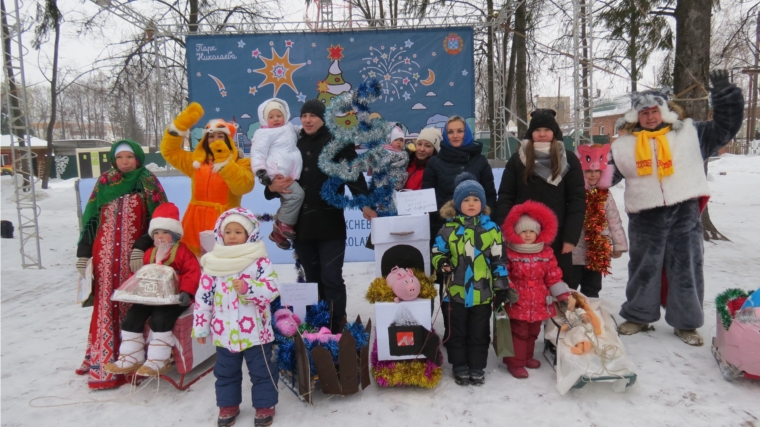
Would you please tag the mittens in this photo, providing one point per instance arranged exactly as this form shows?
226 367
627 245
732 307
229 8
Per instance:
136 260
222 154
184 299
186 119
499 297
264 179
719 80
82 265
512 295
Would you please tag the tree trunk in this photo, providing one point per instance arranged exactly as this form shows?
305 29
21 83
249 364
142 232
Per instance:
48 161
633 50
692 67
490 70
521 69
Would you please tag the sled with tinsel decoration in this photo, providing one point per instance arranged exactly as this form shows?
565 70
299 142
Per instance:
736 345
336 367
607 362
421 367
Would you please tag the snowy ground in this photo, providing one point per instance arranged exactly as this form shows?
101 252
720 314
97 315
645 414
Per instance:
43 341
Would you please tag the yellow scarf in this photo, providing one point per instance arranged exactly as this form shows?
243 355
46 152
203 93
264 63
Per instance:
644 153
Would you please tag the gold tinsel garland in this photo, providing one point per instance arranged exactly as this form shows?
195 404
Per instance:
598 247
379 291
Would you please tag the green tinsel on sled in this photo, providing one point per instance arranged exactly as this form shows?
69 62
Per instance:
721 302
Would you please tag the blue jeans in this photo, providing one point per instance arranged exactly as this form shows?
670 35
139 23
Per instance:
262 369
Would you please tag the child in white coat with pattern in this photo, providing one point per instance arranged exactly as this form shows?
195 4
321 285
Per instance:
232 308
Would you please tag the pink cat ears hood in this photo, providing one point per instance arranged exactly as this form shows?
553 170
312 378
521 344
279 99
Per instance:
597 157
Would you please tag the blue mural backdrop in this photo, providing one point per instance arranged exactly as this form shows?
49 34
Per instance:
427 74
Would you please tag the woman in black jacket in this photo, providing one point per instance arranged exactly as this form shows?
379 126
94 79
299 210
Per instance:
459 153
542 171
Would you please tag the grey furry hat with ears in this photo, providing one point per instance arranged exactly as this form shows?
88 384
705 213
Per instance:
648 99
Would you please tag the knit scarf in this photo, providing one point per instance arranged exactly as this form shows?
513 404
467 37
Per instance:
543 166
597 246
526 248
229 260
644 153
113 184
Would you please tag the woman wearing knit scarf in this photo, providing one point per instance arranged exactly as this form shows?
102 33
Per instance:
542 171
117 213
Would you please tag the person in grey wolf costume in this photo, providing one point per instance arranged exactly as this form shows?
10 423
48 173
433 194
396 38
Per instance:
661 156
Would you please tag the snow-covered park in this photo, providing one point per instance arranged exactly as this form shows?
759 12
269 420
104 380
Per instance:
44 333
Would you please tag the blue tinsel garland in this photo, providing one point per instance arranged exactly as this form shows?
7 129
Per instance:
317 316
369 132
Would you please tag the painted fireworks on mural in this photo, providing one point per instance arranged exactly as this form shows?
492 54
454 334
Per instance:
423 74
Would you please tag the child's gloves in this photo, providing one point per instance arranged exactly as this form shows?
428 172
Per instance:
186 119
445 265
222 154
82 265
500 297
719 80
136 260
264 179
184 299
512 295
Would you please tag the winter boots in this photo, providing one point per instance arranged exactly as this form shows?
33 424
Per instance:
689 336
285 229
159 355
630 328
227 415
462 377
264 416
131 354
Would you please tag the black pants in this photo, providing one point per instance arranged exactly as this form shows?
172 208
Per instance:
162 317
564 261
322 262
467 347
588 282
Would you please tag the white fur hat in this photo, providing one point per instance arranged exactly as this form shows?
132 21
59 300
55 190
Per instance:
273 105
240 219
648 99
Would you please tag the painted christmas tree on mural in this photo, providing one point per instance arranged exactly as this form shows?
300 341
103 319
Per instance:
335 85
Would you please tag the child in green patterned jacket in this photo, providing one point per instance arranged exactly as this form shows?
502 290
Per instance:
470 246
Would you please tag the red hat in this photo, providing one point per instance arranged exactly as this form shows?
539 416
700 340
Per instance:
166 217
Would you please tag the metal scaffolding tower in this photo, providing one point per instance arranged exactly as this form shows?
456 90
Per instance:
583 66
21 146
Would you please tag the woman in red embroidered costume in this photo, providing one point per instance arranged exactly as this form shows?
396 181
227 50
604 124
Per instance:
117 213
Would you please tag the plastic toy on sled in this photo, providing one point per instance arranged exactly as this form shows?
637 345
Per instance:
587 351
736 345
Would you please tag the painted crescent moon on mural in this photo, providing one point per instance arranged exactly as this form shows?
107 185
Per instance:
431 78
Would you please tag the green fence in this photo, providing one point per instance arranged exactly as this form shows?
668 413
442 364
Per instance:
68 165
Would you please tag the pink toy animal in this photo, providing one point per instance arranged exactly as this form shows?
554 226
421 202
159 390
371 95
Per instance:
322 336
404 284
286 322
593 157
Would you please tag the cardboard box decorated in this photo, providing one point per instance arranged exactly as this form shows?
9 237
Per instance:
409 236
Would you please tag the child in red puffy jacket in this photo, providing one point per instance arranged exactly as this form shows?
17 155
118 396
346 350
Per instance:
529 230
166 230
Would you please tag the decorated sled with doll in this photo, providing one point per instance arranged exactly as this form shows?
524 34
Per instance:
736 345
311 357
583 346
